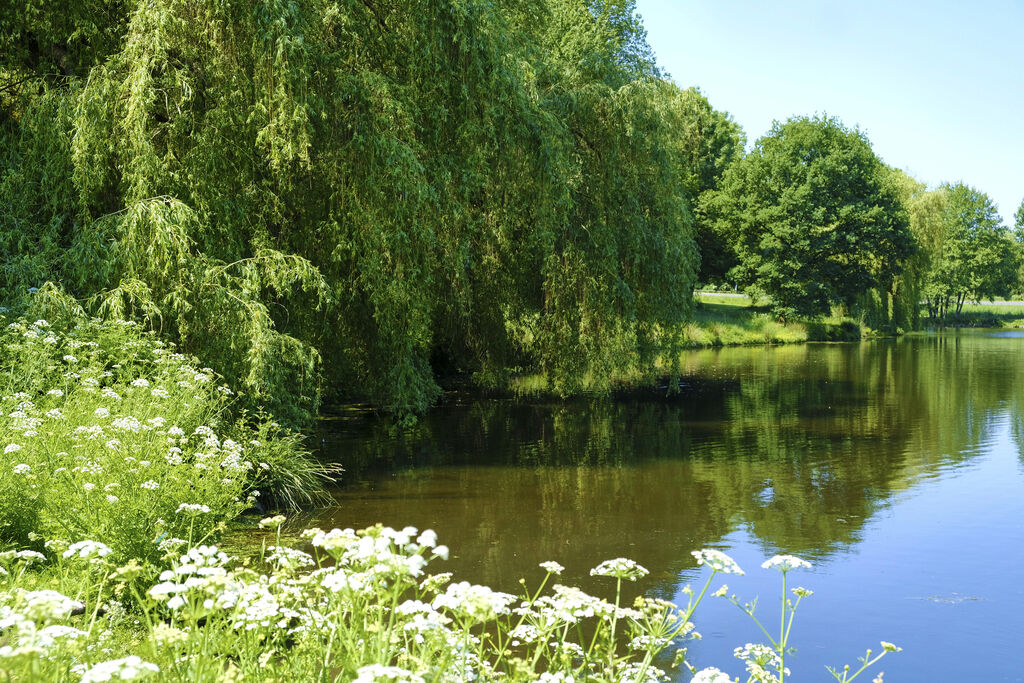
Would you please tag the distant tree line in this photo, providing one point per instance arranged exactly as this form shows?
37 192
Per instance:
357 197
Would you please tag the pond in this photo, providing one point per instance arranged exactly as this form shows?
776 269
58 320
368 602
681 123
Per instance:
894 467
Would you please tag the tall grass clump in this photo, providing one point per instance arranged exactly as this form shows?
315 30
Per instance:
109 434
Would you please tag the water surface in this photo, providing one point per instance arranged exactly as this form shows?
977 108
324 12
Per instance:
894 467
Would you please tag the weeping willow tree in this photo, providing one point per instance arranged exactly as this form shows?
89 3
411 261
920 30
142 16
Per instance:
353 196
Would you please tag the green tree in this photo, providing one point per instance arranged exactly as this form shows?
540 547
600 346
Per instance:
813 219
620 270
902 302
975 257
351 196
709 141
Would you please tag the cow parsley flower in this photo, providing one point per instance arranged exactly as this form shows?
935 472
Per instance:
48 605
125 669
711 675
427 539
717 561
126 424
87 549
379 673
478 602
785 563
620 568
552 568
289 558
272 522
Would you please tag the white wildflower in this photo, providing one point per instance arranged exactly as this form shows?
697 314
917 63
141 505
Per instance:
289 558
785 563
48 605
379 673
620 568
30 556
717 561
126 669
127 424
478 602
272 522
711 675
552 568
428 539
87 550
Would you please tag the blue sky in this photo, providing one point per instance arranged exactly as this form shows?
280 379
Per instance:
937 86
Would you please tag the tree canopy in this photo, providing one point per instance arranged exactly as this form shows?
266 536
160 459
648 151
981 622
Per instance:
359 197
355 195
811 216
973 255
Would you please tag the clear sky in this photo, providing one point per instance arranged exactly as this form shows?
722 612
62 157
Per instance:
937 86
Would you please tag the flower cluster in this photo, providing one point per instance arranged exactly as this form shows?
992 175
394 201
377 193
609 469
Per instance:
620 568
785 563
717 561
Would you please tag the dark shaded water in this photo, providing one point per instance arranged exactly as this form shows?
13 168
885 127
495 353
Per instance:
894 467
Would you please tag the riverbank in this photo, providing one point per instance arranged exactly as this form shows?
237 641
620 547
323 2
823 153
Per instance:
720 320
984 314
723 319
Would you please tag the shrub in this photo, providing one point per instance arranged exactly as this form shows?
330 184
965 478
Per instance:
108 433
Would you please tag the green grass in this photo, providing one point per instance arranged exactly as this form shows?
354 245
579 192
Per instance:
979 315
736 321
718 320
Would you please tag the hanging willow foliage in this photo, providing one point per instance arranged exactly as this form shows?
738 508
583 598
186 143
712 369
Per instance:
353 195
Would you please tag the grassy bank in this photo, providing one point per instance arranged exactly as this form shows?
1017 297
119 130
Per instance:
735 320
984 315
722 320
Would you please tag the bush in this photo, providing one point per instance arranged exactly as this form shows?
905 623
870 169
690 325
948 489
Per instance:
108 433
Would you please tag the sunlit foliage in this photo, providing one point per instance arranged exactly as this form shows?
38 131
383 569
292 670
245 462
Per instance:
364 192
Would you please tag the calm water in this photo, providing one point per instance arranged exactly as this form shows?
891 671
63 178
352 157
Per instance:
894 467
